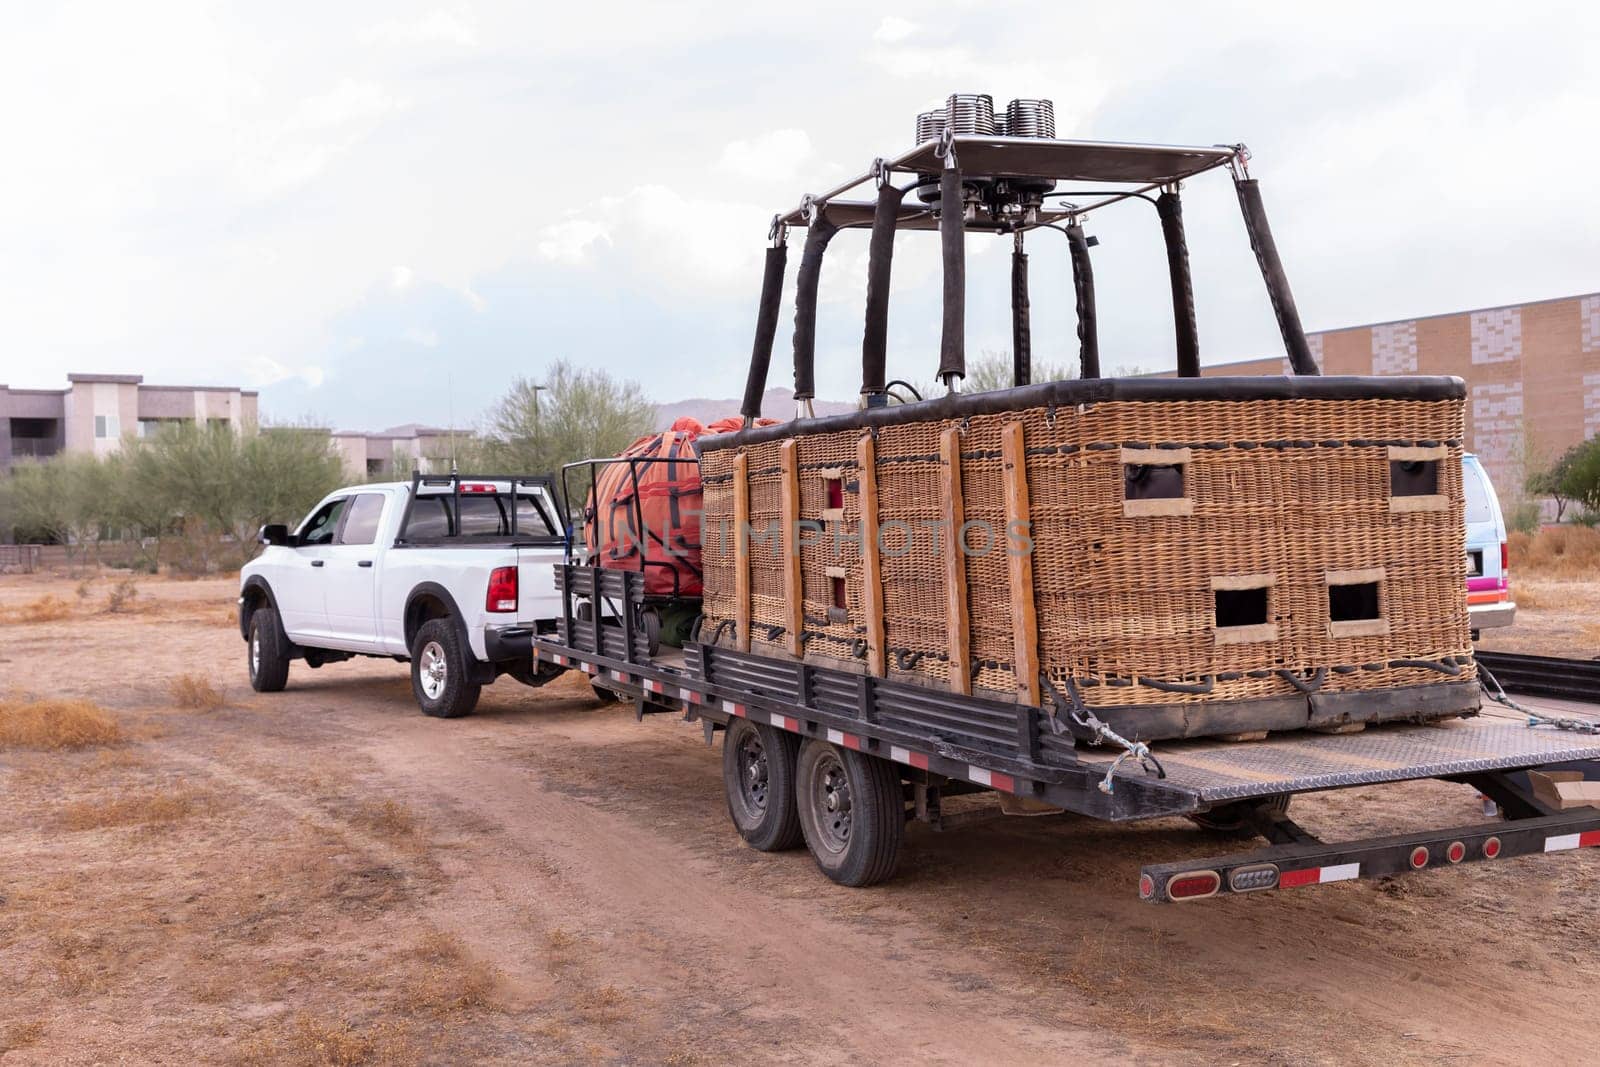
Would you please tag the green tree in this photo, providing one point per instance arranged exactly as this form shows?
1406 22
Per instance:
1550 481
1581 479
33 504
574 413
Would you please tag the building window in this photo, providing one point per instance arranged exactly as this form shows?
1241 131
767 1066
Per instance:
107 427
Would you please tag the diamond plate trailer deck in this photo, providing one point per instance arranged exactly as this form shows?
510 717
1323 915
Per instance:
943 741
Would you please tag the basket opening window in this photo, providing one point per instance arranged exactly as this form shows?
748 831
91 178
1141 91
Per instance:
1414 479
1242 608
838 595
1355 603
1154 481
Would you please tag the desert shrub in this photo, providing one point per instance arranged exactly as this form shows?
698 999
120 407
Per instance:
196 692
122 597
1524 516
43 609
56 724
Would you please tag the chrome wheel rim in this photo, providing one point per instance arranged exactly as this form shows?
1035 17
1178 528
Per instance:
432 671
831 807
753 772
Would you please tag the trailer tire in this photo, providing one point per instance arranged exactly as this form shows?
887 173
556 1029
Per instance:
267 652
852 812
439 671
758 767
1230 820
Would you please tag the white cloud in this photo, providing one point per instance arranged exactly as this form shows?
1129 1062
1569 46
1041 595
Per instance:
423 336
893 30
435 27
772 156
261 371
401 277
569 241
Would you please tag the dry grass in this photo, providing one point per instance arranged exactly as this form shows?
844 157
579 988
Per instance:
446 978
315 1041
123 598
601 1006
196 692
44 609
388 819
146 809
1556 552
56 724
21 1035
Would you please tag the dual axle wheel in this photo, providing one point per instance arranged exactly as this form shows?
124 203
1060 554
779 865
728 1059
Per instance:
847 807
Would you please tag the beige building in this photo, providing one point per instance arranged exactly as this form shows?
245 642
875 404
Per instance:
1532 372
96 411
398 450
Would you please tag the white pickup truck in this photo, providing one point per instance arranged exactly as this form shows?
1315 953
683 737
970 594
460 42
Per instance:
453 573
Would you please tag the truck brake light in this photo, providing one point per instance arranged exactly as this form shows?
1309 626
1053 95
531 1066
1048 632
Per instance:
502 595
1505 561
477 487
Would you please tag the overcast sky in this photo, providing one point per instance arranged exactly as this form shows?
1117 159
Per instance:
382 212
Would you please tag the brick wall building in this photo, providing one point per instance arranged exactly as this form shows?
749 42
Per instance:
1532 372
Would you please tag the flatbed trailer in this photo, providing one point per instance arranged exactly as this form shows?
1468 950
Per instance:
933 745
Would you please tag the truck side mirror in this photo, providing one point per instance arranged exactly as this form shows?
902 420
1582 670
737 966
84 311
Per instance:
274 533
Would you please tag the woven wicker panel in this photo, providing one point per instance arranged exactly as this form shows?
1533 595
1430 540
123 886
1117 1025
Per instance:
1293 489
716 547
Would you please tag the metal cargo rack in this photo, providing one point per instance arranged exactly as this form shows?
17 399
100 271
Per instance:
947 742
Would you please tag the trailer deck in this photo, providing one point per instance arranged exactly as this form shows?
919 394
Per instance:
1249 781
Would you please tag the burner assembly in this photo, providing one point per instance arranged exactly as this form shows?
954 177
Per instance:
997 201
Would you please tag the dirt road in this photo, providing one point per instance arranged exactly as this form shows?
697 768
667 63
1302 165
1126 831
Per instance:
325 876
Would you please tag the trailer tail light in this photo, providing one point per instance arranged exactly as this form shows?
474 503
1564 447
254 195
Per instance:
1147 887
1250 879
502 595
1194 885
1456 852
1419 857
1491 848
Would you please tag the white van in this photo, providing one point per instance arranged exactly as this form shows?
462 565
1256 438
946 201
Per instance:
1489 600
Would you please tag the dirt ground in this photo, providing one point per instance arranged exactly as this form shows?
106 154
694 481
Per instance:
326 876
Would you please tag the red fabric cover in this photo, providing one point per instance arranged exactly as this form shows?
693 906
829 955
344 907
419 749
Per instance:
669 501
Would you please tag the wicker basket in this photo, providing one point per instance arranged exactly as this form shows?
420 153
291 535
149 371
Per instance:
1203 560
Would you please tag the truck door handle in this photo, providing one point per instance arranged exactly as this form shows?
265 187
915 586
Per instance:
364 563
316 563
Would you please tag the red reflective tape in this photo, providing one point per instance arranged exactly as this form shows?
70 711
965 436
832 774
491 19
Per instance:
691 696
1003 782
1589 838
1293 879
783 722
852 741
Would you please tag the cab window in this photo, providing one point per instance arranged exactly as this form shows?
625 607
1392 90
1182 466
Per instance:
323 523
361 524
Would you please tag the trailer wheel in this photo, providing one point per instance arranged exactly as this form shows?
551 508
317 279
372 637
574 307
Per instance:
1232 820
852 812
758 778
268 652
439 677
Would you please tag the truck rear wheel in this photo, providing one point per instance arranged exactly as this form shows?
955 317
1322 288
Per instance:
268 652
439 678
852 812
758 778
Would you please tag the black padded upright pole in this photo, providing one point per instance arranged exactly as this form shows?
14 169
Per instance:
952 241
1170 208
1083 287
880 258
766 329
818 233
1266 250
1021 331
